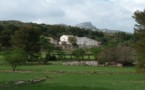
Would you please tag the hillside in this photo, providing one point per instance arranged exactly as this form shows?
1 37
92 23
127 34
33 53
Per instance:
56 31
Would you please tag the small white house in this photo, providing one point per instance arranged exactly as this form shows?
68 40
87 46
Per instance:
81 41
65 38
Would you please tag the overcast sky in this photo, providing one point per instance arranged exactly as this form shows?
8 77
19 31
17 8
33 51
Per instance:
111 14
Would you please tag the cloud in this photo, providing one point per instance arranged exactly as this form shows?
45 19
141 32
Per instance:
28 10
112 14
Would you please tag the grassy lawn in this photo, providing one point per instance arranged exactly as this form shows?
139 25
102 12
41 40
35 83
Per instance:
75 78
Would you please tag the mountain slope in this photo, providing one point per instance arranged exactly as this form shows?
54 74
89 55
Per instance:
89 25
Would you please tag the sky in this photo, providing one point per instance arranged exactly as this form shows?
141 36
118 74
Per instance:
110 14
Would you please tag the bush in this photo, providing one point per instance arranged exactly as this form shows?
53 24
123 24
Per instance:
124 55
49 58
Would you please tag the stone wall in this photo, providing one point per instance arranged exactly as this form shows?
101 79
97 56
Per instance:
81 63
90 63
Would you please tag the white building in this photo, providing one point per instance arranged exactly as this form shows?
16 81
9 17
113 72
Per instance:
65 39
87 42
81 41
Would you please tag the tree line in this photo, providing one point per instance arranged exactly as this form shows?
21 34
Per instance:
17 38
8 28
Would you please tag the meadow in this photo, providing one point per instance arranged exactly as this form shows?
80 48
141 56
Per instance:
62 77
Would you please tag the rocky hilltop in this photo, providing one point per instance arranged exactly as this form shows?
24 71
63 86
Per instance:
89 25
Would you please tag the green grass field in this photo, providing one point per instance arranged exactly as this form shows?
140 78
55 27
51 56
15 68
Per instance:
75 78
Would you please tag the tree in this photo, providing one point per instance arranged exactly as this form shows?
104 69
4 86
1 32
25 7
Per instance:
28 38
45 44
108 55
5 38
125 55
46 48
139 17
73 41
95 51
15 57
114 55
79 53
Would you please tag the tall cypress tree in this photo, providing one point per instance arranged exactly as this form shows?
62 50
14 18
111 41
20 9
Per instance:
139 17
